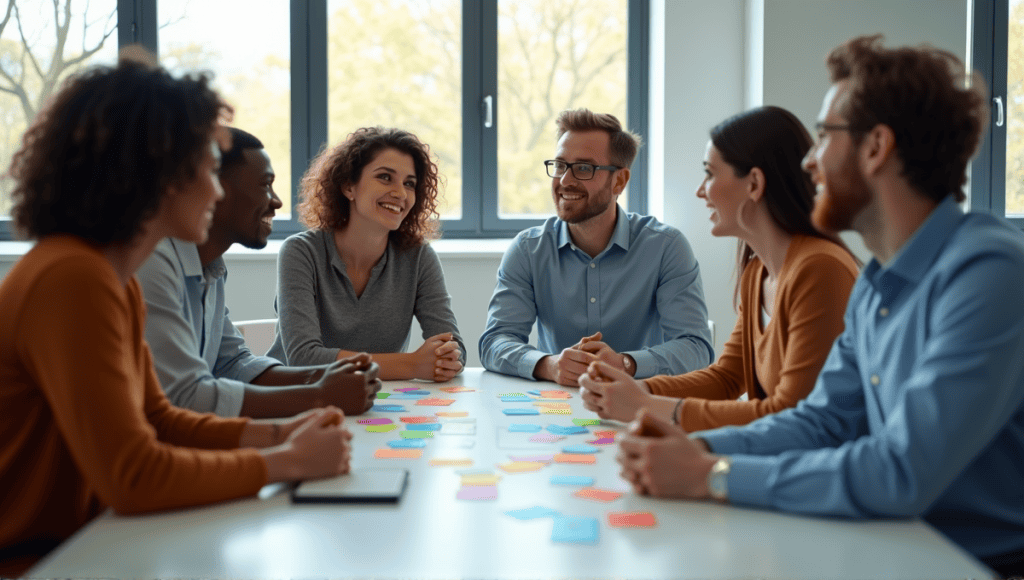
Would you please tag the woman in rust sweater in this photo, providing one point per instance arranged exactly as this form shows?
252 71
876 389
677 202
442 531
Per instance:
121 158
791 294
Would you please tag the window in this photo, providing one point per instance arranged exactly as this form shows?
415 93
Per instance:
480 81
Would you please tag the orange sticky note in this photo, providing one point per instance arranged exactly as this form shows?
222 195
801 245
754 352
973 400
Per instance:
452 413
597 494
450 462
457 389
418 419
631 520
574 458
556 405
521 466
398 453
435 402
555 395
609 434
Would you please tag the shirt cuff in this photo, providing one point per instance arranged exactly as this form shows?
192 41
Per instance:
646 364
230 395
254 367
528 363
721 442
747 480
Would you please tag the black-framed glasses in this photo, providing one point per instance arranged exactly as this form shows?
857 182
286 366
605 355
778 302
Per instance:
581 171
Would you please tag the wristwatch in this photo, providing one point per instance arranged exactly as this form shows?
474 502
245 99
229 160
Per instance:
717 485
627 365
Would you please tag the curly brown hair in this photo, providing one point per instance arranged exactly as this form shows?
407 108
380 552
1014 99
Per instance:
324 205
99 157
936 112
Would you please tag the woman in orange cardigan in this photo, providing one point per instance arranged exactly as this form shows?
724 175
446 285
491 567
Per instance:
792 290
119 159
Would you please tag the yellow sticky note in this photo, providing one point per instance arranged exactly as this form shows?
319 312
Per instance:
451 462
480 479
452 413
398 453
556 411
558 405
521 466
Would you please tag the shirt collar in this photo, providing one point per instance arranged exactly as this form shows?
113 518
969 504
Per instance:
192 267
620 236
918 254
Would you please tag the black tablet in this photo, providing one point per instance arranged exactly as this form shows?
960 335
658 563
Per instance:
358 486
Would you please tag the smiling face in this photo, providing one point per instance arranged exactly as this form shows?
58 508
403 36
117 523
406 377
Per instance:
577 201
190 204
723 192
385 192
246 215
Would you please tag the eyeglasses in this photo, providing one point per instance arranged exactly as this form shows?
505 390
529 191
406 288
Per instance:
581 171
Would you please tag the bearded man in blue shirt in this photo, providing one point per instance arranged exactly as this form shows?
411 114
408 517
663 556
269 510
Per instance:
919 409
601 284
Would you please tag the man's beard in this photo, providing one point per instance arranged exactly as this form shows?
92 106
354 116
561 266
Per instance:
596 204
845 194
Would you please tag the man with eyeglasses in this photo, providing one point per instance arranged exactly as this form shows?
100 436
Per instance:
919 409
602 284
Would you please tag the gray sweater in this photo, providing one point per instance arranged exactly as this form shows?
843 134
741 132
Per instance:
319 313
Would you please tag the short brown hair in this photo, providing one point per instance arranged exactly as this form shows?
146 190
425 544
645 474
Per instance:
935 110
623 145
324 205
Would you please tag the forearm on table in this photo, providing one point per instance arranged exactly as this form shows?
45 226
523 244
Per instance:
394 366
267 402
281 376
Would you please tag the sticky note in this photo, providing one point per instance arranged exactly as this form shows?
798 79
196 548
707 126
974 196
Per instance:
552 394
477 492
597 494
521 466
417 419
417 392
602 441
406 389
450 462
524 428
534 393
556 411
375 421
574 458
545 438
465 472
423 426
383 395
585 422
538 458
388 408
435 402
457 389
452 414
511 395
406 397
552 405
575 530
571 480
482 479
458 429
522 399
380 428
631 519
571 430
520 411
416 434
580 448
532 513
610 434
407 444
398 453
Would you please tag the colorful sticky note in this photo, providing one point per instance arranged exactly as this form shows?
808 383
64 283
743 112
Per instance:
511 395
631 519
435 402
423 427
556 411
407 444
417 392
580 448
552 405
597 494
452 414
521 466
585 422
374 421
570 430
574 458
380 428
522 399
477 492
524 428
457 389
406 389
383 395
450 462
532 513
520 411
406 397
571 480
545 438
602 441
388 409
552 394
398 453
416 434
417 419
575 530
534 393
482 479
545 459
610 433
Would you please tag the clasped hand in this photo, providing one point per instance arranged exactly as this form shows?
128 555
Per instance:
438 358
566 368
351 383
659 459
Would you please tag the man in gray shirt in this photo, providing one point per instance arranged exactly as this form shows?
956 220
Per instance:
200 358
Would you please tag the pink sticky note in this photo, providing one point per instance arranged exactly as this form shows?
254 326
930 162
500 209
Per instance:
406 389
374 421
478 492
418 419
598 494
545 438
435 402
602 441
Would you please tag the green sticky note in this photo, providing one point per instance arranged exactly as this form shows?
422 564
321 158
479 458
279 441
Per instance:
585 422
380 428
383 395
417 434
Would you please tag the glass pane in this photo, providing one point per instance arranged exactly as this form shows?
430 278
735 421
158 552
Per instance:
552 56
32 70
247 49
398 63
1015 111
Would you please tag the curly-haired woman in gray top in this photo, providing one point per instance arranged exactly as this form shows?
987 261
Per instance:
355 279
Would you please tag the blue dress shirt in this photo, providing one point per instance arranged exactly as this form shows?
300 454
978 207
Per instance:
643 292
919 409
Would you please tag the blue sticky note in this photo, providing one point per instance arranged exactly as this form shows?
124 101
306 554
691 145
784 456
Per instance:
430 427
572 430
406 396
534 393
407 443
518 411
575 530
572 480
532 513
514 399
388 408
417 392
523 428
581 448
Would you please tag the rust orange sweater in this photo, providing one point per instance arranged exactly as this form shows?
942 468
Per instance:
778 365
83 421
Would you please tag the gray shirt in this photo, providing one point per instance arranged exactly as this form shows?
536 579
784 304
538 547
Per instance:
319 313
200 358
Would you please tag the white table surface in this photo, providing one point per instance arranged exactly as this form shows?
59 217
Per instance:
431 534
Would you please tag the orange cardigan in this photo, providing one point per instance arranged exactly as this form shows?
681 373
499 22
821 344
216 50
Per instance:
814 285
84 423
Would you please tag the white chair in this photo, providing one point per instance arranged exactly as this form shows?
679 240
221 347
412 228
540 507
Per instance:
711 327
258 334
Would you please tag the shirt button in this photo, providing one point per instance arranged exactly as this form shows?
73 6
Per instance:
883 312
593 265
875 380
593 300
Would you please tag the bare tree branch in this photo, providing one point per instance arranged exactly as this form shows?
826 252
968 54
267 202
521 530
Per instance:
7 17
24 42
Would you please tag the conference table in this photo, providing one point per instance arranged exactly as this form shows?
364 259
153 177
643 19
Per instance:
431 533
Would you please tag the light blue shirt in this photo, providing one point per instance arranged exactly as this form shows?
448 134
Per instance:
919 409
200 358
643 292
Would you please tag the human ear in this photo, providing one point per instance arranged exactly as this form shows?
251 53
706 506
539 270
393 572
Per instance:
877 149
755 184
621 179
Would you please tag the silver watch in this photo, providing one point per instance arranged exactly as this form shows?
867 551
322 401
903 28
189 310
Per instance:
717 479
626 364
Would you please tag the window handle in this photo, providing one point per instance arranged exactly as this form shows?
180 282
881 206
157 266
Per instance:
488 111
1000 119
